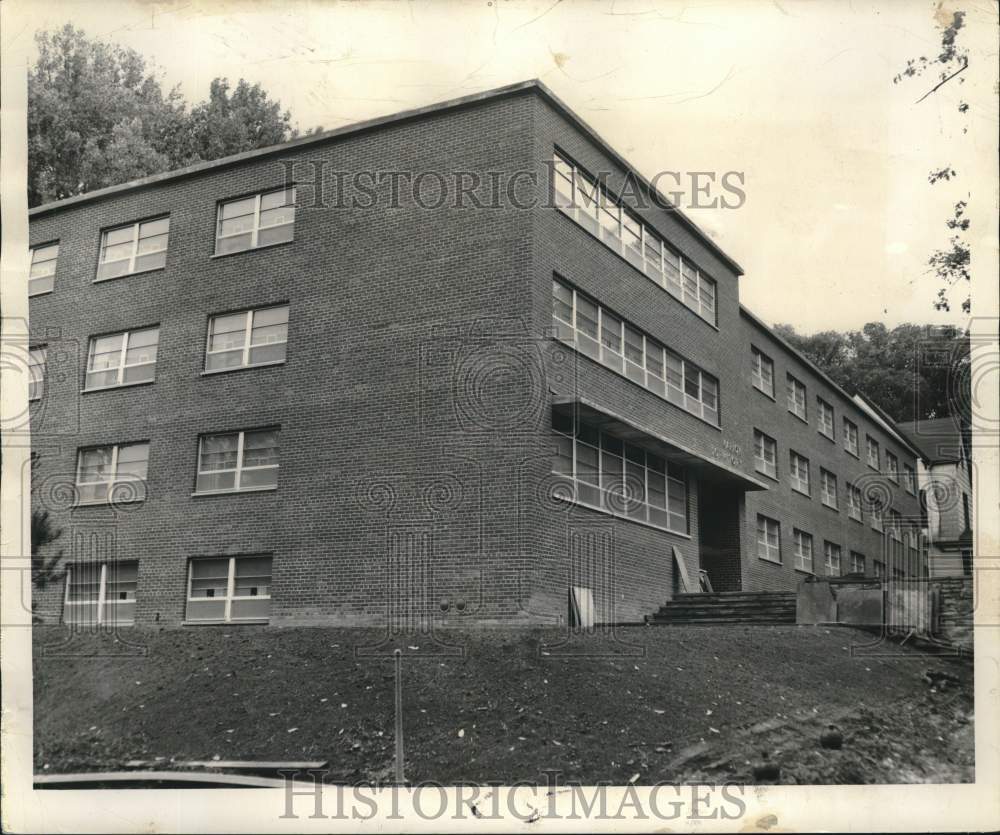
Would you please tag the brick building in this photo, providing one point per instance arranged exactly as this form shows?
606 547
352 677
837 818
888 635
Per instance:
261 396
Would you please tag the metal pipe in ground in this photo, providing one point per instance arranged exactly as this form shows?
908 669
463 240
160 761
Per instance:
398 662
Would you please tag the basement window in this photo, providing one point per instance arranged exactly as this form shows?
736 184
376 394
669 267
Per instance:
100 594
229 589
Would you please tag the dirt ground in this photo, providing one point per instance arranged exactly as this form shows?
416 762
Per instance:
751 704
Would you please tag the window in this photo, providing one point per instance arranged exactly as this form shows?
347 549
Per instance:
122 359
599 334
895 525
803 551
765 454
237 461
799 472
623 479
873 459
762 372
768 539
854 503
831 558
857 563
796 398
100 594
247 338
252 222
134 248
828 488
909 480
42 275
966 515
36 372
596 210
851 437
892 465
877 521
229 589
825 422
115 473
878 568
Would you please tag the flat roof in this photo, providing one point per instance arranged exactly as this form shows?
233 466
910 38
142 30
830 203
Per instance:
532 85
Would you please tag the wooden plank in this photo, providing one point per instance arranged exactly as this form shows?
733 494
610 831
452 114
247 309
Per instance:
252 765
682 570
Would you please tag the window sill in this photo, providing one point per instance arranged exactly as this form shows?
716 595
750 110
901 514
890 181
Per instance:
624 518
251 249
119 386
215 371
42 293
858 521
806 573
830 507
129 275
853 455
77 505
797 416
773 478
802 493
196 494
823 434
770 397
769 561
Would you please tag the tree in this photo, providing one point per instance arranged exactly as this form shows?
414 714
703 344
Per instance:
950 265
97 116
44 568
910 372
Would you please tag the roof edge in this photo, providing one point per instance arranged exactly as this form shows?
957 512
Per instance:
534 85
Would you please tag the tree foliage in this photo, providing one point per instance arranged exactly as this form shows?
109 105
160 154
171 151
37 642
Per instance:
44 566
911 372
98 116
950 265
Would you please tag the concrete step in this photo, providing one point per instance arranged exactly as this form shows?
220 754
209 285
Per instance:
727 608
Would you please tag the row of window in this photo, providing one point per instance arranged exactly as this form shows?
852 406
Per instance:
604 472
590 204
219 590
765 462
594 331
243 339
245 223
762 376
227 462
769 548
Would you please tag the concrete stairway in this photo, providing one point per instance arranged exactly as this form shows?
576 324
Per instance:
765 607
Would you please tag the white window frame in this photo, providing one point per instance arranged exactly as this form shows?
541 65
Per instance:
761 382
102 593
248 330
230 590
892 466
113 479
826 428
135 248
855 447
803 558
829 550
617 361
36 381
122 365
670 471
856 558
239 469
877 518
826 480
589 215
49 277
870 444
909 479
796 479
761 444
854 502
771 553
793 386
255 231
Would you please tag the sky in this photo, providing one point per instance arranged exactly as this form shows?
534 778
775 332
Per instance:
839 218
